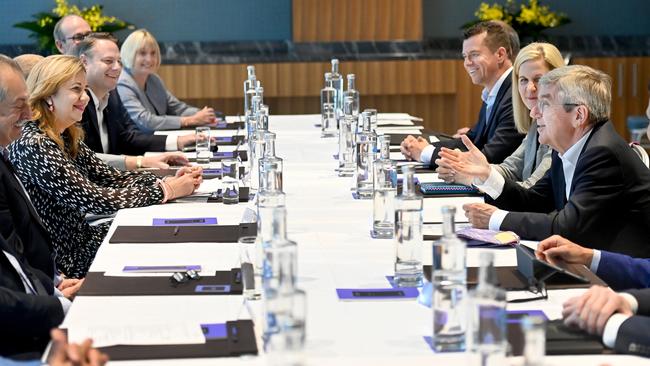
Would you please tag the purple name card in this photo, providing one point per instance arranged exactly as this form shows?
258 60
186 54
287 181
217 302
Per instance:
161 269
515 316
223 139
214 331
212 171
190 221
224 154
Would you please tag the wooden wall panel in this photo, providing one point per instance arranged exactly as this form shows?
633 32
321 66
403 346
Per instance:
356 20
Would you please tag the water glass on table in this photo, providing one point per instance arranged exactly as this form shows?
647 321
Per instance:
203 152
249 253
230 180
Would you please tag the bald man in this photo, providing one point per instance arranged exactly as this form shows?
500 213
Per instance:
69 31
27 62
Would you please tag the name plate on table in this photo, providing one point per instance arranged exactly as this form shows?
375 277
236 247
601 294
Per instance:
232 339
377 293
222 283
220 155
161 269
182 234
185 221
223 125
229 140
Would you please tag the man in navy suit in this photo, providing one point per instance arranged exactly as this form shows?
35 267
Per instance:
489 49
107 126
597 190
621 318
619 271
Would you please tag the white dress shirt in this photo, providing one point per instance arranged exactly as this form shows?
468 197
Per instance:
100 105
488 96
569 163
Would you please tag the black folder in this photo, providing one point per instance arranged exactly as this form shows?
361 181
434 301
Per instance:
96 284
182 234
560 340
240 341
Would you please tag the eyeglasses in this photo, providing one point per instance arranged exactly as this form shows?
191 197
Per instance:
538 289
182 277
543 104
78 37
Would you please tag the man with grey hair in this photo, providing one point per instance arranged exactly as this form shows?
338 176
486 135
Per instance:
597 190
30 304
69 31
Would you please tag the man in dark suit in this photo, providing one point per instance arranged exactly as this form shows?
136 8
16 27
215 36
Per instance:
622 319
597 191
489 49
28 306
107 126
20 225
619 271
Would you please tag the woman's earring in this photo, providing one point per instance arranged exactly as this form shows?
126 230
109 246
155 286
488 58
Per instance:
50 106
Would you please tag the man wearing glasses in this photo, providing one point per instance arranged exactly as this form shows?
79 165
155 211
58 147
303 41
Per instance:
597 190
69 31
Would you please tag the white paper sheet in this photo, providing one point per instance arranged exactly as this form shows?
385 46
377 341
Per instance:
209 185
397 156
432 207
138 334
402 116
213 133
397 131
399 122
433 139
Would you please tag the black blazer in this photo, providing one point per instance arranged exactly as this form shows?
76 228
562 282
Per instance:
20 224
609 199
123 135
498 138
25 319
633 336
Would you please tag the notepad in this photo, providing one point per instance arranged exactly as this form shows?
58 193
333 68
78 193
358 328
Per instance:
167 333
445 189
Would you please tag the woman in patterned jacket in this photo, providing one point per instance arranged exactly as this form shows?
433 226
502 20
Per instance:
63 176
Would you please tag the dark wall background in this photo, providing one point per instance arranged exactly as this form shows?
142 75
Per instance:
171 20
443 18
242 20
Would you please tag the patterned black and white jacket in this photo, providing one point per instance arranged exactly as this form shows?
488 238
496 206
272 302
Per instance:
65 189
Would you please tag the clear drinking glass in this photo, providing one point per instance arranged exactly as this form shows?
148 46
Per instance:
286 346
534 328
203 153
248 257
385 189
408 233
449 281
230 180
487 330
373 118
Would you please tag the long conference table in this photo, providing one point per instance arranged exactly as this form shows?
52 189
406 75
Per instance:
335 250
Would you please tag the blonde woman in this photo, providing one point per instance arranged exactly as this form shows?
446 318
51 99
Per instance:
149 104
531 160
65 179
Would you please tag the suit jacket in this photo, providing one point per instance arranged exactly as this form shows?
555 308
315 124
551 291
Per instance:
633 336
25 319
124 137
20 224
622 272
496 138
153 108
529 162
609 199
